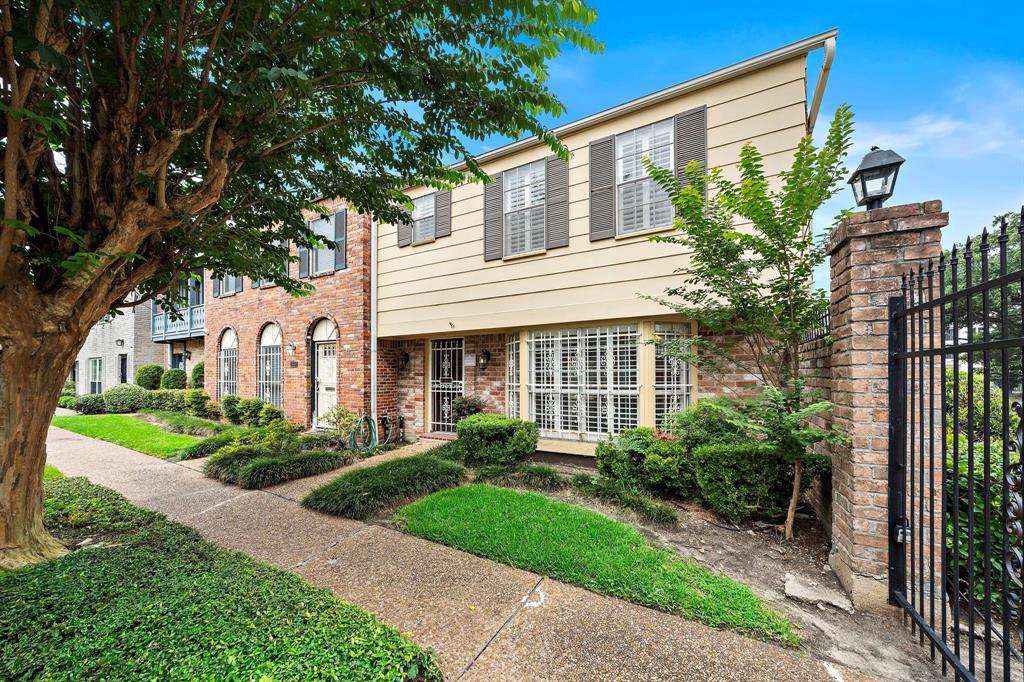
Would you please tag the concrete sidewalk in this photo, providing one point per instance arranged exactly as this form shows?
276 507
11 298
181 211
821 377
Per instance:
485 620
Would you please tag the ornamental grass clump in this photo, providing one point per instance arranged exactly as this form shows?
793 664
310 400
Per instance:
267 471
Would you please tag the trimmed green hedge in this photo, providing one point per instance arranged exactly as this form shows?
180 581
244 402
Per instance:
90 403
495 439
124 398
361 493
743 480
162 604
267 471
229 408
174 378
198 375
148 376
67 402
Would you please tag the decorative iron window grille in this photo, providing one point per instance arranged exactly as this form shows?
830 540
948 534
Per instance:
512 381
584 383
673 384
269 381
228 376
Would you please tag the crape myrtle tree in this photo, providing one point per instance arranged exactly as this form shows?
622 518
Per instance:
145 139
752 260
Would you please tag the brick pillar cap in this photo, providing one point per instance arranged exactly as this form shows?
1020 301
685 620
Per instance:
890 219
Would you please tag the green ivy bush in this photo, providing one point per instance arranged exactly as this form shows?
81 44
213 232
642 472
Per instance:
229 408
197 402
167 400
267 471
743 480
67 402
148 376
495 439
174 378
249 411
90 403
269 414
124 398
198 375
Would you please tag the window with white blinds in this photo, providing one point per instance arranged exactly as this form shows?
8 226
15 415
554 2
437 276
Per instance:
673 385
524 190
322 259
642 204
584 383
512 376
423 218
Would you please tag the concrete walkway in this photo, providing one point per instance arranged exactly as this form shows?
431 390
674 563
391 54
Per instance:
484 620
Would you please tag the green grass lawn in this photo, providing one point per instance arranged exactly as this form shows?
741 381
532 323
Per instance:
582 547
127 431
361 493
51 472
156 602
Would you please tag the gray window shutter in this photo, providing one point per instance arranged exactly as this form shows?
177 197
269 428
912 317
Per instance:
442 214
691 132
404 233
216 287
556 211
602 189
341 239
303 261
493 238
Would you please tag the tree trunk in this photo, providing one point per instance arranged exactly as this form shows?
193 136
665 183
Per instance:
34 363
798 470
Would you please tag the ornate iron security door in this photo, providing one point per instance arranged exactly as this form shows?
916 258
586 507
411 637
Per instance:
446 382
956 517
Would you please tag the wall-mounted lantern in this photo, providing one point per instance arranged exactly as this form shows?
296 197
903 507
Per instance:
485 359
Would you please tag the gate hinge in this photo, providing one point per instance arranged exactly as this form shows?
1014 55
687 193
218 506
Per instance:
901 532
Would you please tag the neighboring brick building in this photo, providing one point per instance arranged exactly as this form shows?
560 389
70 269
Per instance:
319 351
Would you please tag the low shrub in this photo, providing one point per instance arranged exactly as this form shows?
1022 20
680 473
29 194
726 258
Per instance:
269 414
213 410
249 411
167 400
67 402
209 445
327 440
197 402
124 398
174 378
227 462
69 389
198 375
740 481
90 403
450 450
267 471
229 408
532 476
148 376
176 422
495 439
343 421
622 495
466 405
361 493
621 458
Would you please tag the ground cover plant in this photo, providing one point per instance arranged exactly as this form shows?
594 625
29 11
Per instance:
579 546
626 497
362 493
177 422
159 603
128 431
269 470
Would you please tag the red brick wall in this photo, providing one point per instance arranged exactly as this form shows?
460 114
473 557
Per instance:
728 380
343 297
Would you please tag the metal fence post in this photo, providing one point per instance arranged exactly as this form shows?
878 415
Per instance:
897 447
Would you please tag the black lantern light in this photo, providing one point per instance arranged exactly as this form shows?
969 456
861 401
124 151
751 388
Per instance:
875 178
485 359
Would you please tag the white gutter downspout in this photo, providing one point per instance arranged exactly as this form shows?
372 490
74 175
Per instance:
819 86
373 319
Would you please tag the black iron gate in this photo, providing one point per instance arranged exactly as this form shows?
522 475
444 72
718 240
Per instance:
956 516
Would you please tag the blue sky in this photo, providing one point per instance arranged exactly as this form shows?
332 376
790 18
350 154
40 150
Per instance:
941 84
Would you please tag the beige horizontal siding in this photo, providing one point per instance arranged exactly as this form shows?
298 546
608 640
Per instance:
446 286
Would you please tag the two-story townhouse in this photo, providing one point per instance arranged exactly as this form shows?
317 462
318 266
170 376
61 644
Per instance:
183 332
303 354
532 291
116 346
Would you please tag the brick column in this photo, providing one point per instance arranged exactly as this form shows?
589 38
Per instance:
869 252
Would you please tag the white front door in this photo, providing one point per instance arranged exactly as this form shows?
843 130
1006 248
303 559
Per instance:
326 378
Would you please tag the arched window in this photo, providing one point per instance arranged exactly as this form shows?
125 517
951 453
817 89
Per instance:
227 364
268 380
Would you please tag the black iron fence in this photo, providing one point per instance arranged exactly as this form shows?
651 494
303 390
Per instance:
956 515
821 329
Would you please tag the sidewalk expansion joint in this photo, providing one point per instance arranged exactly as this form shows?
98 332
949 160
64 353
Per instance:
523 603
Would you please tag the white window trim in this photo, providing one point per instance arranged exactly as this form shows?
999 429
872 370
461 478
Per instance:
643 179
423 209
541 178
95 374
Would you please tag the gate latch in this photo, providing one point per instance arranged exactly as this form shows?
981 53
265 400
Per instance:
901 532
